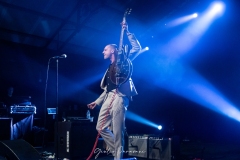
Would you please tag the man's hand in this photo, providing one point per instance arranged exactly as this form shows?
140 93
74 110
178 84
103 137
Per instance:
92 105
125 26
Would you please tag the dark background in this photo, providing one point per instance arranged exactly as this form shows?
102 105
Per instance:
31 32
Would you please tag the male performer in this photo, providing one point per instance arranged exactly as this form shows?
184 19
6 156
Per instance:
114 100
6 101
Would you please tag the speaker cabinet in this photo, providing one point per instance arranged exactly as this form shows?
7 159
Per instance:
159 148
18 150
6 131
75 140
150 147
138 146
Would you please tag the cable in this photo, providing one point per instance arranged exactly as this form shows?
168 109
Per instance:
104 121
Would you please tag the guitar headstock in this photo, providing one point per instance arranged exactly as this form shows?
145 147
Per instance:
127 12
123 23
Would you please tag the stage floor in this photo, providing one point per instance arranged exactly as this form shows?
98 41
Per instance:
188 151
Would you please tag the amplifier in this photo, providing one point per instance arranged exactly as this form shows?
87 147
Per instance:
6 128
23 109
160 148
75 140
138 146
149 146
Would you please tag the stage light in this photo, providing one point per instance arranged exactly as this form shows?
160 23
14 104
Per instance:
195 15
218 7
185 41
182 20
132 116
143 50
188 83
159 127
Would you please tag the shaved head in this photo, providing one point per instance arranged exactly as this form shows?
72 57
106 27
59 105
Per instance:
110 51
113 46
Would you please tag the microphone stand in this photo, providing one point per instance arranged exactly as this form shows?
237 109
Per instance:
57 109
57 106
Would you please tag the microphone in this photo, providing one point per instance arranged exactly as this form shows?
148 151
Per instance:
62 56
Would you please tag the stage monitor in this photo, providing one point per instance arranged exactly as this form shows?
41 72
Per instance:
51 110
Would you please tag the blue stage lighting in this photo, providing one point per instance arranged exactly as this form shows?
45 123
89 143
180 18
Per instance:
144 50
196 88
132 116
186 40
195 15
159 127
218 7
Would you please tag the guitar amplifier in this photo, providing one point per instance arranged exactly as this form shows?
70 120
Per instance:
23 109
138 146
159 148
149 146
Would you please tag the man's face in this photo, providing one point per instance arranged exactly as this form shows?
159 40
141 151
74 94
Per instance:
10 91
107 52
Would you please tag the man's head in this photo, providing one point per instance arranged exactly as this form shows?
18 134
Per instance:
10 91
110 51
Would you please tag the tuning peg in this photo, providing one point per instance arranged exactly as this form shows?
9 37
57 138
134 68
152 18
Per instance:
130 10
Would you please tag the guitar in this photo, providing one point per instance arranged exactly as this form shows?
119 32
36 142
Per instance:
124 67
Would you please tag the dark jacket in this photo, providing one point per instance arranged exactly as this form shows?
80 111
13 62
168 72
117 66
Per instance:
127 88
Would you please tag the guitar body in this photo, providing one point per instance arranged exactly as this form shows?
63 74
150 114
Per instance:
122 71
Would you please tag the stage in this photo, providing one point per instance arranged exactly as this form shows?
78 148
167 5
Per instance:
188 151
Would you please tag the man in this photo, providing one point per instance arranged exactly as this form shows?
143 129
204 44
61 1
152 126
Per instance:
7 100
115 99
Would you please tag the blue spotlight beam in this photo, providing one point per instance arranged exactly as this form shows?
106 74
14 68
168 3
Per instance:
132 116
195 88
181 20
190 36
186 82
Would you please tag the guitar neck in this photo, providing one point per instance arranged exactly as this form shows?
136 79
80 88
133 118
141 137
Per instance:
120 47
121 41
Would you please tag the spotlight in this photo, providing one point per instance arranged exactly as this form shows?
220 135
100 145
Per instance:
195 15
159 127
218 7
137 118
144 50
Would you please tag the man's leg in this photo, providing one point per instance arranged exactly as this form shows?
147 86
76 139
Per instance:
104 121
118 124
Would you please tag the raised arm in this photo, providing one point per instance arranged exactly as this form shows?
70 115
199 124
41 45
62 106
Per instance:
136 47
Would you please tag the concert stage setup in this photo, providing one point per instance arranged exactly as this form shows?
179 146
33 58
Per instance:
75 140
163 72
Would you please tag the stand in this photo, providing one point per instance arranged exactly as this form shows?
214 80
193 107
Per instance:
57 107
